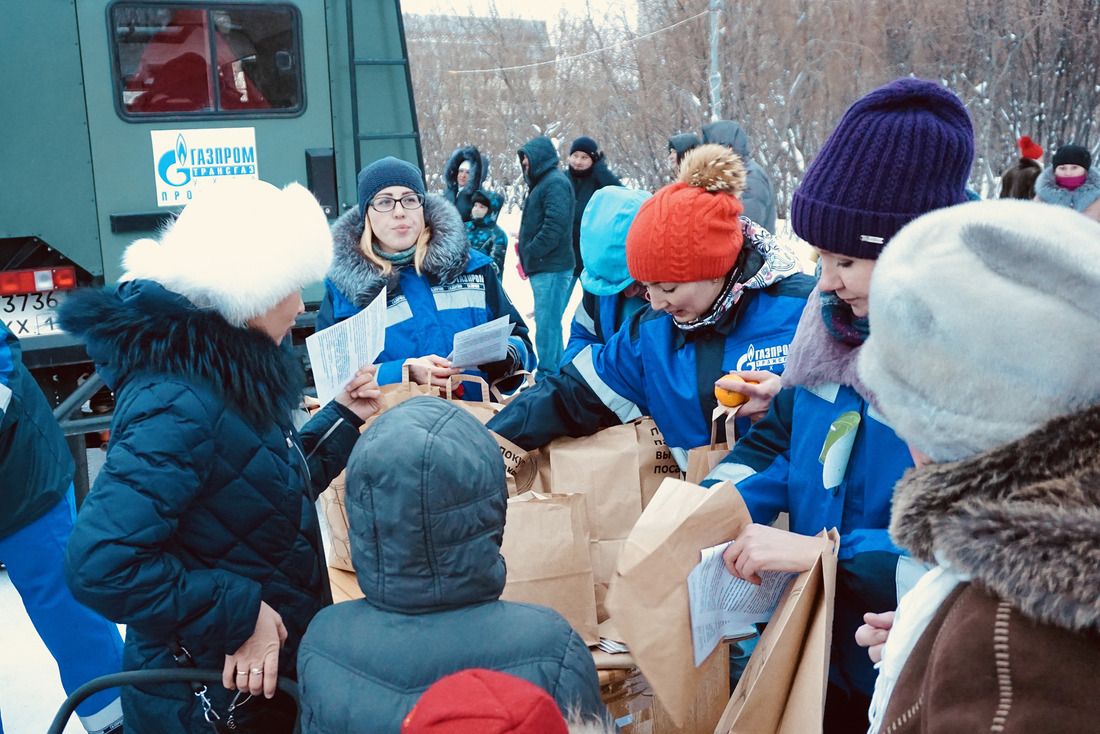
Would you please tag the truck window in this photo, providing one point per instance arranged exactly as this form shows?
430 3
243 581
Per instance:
222 60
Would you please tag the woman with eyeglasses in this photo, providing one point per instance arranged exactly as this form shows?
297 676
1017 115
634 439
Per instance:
414 245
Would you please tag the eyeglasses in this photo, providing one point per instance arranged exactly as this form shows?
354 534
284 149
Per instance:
386 203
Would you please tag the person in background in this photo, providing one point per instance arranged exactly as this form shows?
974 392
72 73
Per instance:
413 245
759 195
482 231
610 296
678 147
426 502
200 534
464 174
1070 181
823 453
983 359
719 302
480 701
1018 182
546 248
589 173
37 509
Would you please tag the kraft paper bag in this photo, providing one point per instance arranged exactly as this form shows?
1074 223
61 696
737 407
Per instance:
528 471
482 409
704 458
614 468
545 548
783 687
648 598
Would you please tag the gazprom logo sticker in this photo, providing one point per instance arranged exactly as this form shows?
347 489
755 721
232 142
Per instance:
764 358
186 160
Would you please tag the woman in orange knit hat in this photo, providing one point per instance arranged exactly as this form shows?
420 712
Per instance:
725 296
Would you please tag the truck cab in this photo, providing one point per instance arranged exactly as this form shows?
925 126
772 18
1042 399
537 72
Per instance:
116 114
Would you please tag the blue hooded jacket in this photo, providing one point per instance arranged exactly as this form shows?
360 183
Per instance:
426 502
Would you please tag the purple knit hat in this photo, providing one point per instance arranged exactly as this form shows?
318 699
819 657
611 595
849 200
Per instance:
900 151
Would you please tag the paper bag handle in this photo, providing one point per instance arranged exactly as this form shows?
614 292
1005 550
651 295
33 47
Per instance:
467 378
528 381
724 413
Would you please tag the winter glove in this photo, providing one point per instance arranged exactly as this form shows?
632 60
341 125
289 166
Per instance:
503 367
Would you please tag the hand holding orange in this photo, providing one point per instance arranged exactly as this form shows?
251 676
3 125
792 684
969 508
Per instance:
729 398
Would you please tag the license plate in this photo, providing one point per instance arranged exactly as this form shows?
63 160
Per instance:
32 314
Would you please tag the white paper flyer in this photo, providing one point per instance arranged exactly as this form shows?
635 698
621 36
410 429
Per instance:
724 606
338 352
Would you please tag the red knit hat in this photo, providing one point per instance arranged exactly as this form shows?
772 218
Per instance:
1028 148
690 230
478 701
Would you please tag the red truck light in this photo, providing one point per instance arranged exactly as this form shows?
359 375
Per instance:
37 280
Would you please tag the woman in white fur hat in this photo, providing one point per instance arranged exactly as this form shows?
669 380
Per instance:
200 533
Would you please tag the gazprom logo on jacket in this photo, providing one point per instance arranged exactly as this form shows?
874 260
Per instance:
185 160
764 358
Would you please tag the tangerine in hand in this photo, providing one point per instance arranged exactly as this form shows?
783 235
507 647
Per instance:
729 398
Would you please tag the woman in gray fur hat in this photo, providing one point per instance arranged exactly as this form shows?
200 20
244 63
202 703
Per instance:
986 318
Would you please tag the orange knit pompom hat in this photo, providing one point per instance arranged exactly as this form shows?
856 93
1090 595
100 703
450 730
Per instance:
690 230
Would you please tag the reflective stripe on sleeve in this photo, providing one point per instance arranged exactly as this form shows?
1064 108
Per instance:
616 403
729 472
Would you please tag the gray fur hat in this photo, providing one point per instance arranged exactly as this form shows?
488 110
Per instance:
238 248
985 323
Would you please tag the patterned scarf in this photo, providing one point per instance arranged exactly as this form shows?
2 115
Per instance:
841 322
731 293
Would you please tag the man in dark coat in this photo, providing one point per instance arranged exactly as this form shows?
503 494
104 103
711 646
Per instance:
759 196
36 519
426 502
589 173
546 247
464 174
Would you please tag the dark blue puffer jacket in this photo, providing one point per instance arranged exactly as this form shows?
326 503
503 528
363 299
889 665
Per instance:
546 229
205 504
426 504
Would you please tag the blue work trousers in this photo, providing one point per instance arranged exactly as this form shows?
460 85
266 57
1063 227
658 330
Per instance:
84 644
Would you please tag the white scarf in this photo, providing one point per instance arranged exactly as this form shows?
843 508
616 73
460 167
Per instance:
915 612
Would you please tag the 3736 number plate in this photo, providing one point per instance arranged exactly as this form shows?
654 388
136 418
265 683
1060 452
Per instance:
31 314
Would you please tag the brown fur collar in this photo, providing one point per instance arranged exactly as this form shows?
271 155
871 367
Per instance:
1023 520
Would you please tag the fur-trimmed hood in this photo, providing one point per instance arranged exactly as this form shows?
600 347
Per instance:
1022 520
478 169
140 326
1048 190
360 280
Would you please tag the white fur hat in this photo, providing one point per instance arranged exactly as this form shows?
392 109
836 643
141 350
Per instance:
239 248
985 323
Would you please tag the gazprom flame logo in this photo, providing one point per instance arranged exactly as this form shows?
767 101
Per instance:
764 358
172 166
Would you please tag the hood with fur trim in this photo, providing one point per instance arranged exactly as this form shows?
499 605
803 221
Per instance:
1048 190
239 248
478 169
360 280
1022 520
142 327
